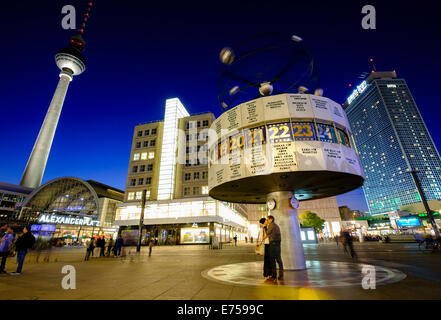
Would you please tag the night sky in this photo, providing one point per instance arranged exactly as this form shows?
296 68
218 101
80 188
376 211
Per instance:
139 53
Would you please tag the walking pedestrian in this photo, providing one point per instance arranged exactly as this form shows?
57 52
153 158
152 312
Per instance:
118 246
3 230
235 240
274 237
336 238
22 245
251 239
150 247
5 244
261 240
89 250
348 244
109 246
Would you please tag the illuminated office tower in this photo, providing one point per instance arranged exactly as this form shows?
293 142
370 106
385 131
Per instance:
392 139
71 63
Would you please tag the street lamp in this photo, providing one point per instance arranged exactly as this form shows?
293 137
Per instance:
424 200
141 220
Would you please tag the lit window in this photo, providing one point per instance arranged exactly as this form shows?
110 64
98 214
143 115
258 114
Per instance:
204 189
131 196
151 155
139 195
136 157
147 194
144 156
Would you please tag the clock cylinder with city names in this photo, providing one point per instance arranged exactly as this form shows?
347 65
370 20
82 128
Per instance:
286 142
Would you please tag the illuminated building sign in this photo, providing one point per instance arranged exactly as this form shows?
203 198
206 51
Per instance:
359 90
57 219
195 235
408 222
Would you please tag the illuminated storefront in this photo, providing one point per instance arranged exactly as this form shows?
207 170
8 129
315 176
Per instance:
72 209
182 221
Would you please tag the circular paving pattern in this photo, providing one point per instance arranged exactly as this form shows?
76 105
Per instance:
317 274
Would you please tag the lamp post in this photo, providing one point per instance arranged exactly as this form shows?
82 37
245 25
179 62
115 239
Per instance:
424 200
141 220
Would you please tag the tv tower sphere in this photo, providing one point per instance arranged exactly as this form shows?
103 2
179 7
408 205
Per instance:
70 59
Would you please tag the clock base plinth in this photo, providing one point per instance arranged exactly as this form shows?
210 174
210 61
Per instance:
285 216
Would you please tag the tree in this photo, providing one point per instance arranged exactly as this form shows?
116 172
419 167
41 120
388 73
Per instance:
310 219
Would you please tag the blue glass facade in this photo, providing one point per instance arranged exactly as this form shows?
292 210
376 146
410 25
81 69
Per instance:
391 137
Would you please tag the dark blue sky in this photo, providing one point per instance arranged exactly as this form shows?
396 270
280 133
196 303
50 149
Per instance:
140 53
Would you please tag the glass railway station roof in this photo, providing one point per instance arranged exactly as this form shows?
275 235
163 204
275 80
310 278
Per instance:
68 196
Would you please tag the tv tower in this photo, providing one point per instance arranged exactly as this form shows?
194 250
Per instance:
71 63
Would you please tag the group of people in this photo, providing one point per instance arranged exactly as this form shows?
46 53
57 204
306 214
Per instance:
17 246
99 245
270 237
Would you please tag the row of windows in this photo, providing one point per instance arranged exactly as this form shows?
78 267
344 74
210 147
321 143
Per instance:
196 175
141 181
144 156
145 144
196 162
196 190
137 195
196 124
196 148
197 136
147 132
142 168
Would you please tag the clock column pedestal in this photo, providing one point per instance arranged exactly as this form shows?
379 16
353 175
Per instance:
285 216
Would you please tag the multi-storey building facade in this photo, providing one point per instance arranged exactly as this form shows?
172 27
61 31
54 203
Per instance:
392 139
169 161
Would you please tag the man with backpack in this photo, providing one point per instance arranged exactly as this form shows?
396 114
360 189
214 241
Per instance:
22 245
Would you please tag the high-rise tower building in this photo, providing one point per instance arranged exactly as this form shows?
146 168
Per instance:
392 140
169 161
71 63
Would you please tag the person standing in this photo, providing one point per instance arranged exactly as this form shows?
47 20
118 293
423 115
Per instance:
118 246
150 247
22 245
261 240
274 237
102 245
5 244
90 248
109 246
235 240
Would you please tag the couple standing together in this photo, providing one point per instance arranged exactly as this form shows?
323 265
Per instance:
269 235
